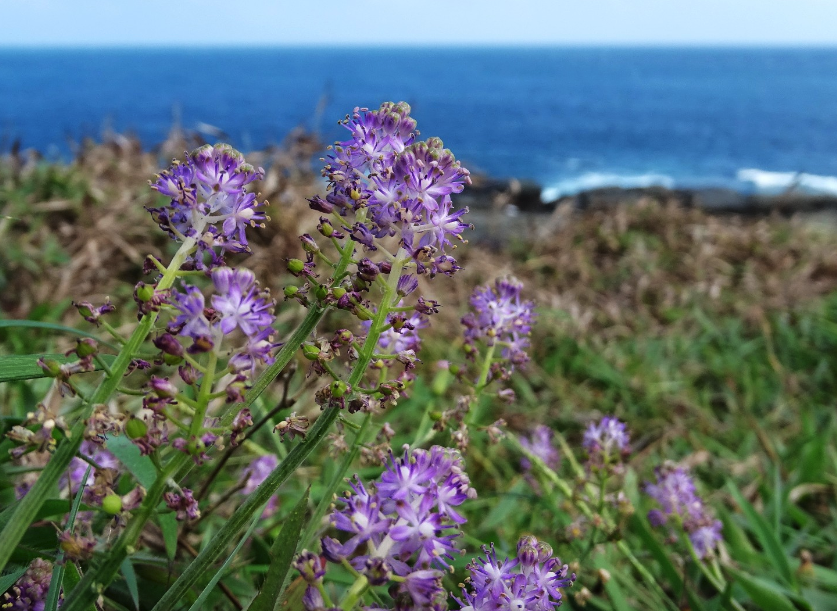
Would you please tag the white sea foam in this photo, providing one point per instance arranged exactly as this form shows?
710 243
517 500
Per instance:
599 180
772 182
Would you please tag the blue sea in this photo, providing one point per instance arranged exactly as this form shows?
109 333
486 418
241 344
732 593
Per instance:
569 118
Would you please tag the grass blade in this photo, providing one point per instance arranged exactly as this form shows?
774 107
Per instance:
764 594
16 367
282 554
198 605
131 579
37 324
54 593
7 581
767 538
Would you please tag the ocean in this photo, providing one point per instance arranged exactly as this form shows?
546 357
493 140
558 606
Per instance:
569 118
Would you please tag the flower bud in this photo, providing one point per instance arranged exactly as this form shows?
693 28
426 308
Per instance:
50 367
321 292
311 352
135 428
320 205
162 388
325 228
86 347
291 291
168 345
338 292
112 504
295 266
145 292
338 389
367 270
308 243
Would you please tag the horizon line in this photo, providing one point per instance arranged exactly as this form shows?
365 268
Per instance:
423 46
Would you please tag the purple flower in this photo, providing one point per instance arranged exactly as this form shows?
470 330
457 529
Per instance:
408 521
607 438
540 444
238 301
192 320
208 199
533 580
29 592
405 185
706 538
500 317
677 496
184 504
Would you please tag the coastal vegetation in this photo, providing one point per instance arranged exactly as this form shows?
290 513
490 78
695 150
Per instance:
661 418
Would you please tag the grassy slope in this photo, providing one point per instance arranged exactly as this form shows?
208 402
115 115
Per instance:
713 338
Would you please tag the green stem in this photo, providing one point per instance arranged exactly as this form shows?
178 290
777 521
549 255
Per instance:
24 513
473 414
202 403
354 594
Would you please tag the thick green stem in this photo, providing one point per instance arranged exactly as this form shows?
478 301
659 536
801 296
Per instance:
354 594
67 449
287 467
314 523
482 382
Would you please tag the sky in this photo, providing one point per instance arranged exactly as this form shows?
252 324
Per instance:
416 22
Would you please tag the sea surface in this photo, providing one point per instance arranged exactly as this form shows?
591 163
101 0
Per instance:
568 118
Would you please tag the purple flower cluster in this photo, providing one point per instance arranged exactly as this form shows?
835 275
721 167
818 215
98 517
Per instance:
531 581
675 491
30 591
606 439
406 524
540 444
238 303
501 318
209 201
402 186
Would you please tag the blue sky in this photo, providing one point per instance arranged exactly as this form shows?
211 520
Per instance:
417 22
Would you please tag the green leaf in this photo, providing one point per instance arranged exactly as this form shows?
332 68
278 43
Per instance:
129 455
25 366
71 578
145 473
168 524
37 324
763 593
198 605
767 538
282 552
54 593
7 581
131 580
671 575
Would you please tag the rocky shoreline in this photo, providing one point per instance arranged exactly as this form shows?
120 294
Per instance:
504 209
525 197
